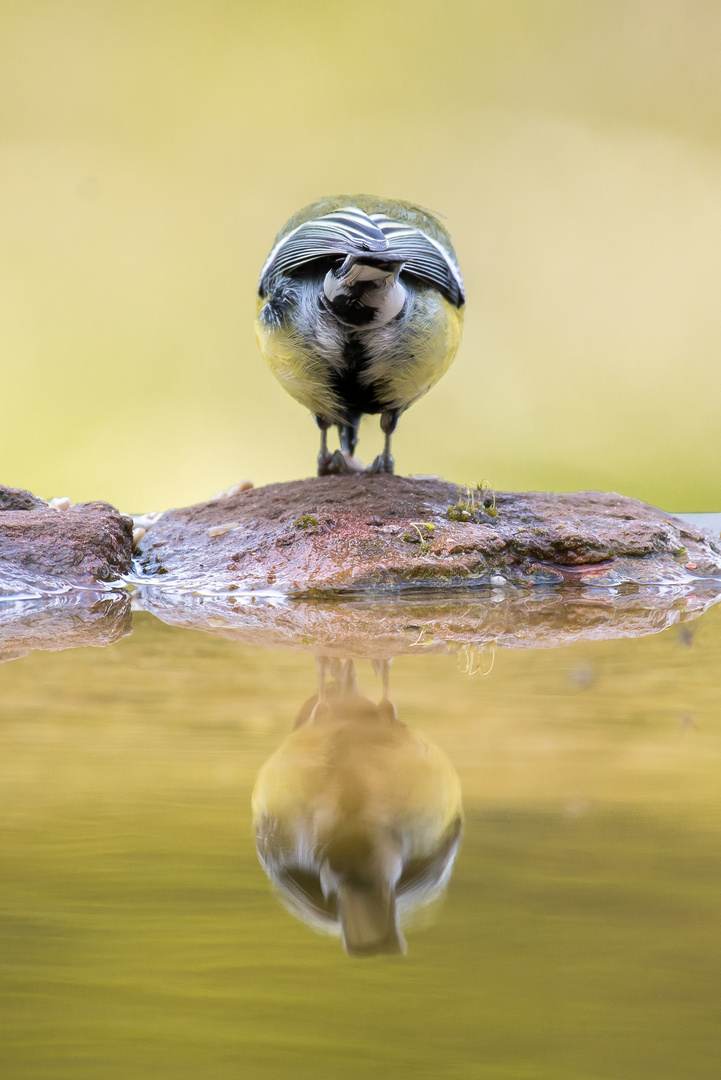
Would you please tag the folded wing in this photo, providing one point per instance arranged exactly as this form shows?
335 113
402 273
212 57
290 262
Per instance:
375 238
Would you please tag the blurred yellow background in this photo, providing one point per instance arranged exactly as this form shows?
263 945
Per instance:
151 151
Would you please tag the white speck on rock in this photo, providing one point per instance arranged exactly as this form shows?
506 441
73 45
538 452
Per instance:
221 530
244 485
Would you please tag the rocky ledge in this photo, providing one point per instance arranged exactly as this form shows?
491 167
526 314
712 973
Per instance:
343 535
47 547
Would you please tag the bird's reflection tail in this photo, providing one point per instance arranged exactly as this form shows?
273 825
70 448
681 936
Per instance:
369 920
361 870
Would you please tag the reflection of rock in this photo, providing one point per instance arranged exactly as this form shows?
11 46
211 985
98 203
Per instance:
357 818
355 533
387 626
42 549
63 622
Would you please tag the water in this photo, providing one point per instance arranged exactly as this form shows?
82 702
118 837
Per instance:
576 934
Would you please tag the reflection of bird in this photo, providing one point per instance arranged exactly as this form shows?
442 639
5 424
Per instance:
360 312
356 817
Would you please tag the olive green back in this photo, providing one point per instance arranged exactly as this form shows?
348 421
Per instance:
404 212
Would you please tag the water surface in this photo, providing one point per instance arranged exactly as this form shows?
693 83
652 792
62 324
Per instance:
577 935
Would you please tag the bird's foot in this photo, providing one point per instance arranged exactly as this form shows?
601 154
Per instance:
383 464
332 464
339 464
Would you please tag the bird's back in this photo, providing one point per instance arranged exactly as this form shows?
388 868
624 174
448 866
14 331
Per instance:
405 213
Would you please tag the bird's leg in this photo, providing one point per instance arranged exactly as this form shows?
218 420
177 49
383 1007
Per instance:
386 708
323 456
323 664
321 710
348 434
328 464
348 679
384 462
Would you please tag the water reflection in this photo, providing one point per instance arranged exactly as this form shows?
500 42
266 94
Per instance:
67 621
357 818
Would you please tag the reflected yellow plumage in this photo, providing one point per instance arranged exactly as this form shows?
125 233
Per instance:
357 817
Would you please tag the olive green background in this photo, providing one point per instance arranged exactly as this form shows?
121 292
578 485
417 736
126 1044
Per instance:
150 151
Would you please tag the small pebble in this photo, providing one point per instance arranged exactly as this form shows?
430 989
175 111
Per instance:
497 579
244 485
63 503
221 530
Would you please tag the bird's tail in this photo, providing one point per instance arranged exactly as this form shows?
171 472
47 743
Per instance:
369 920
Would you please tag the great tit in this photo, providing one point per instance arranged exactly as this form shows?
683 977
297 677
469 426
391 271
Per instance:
358 819
360 311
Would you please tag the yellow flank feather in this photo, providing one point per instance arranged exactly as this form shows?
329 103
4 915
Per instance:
298 367
405 373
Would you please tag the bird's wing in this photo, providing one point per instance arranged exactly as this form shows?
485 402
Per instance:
350 231
423 257
344 232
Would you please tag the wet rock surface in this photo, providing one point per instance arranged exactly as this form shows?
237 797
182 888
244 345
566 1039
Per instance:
43 549
331 536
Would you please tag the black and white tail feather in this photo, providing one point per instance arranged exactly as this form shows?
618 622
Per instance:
373 238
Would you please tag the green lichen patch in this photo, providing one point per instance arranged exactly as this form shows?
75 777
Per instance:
475 503
305 521
419 537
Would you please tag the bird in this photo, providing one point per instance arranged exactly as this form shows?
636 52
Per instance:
357 818
360 311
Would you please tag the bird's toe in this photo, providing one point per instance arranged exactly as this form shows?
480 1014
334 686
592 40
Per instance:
382 464
333 464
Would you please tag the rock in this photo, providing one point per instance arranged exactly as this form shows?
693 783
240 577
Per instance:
44 550
71 621
343 535
18 499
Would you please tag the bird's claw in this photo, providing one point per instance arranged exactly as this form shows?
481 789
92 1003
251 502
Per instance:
382 464
339 464
332 464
